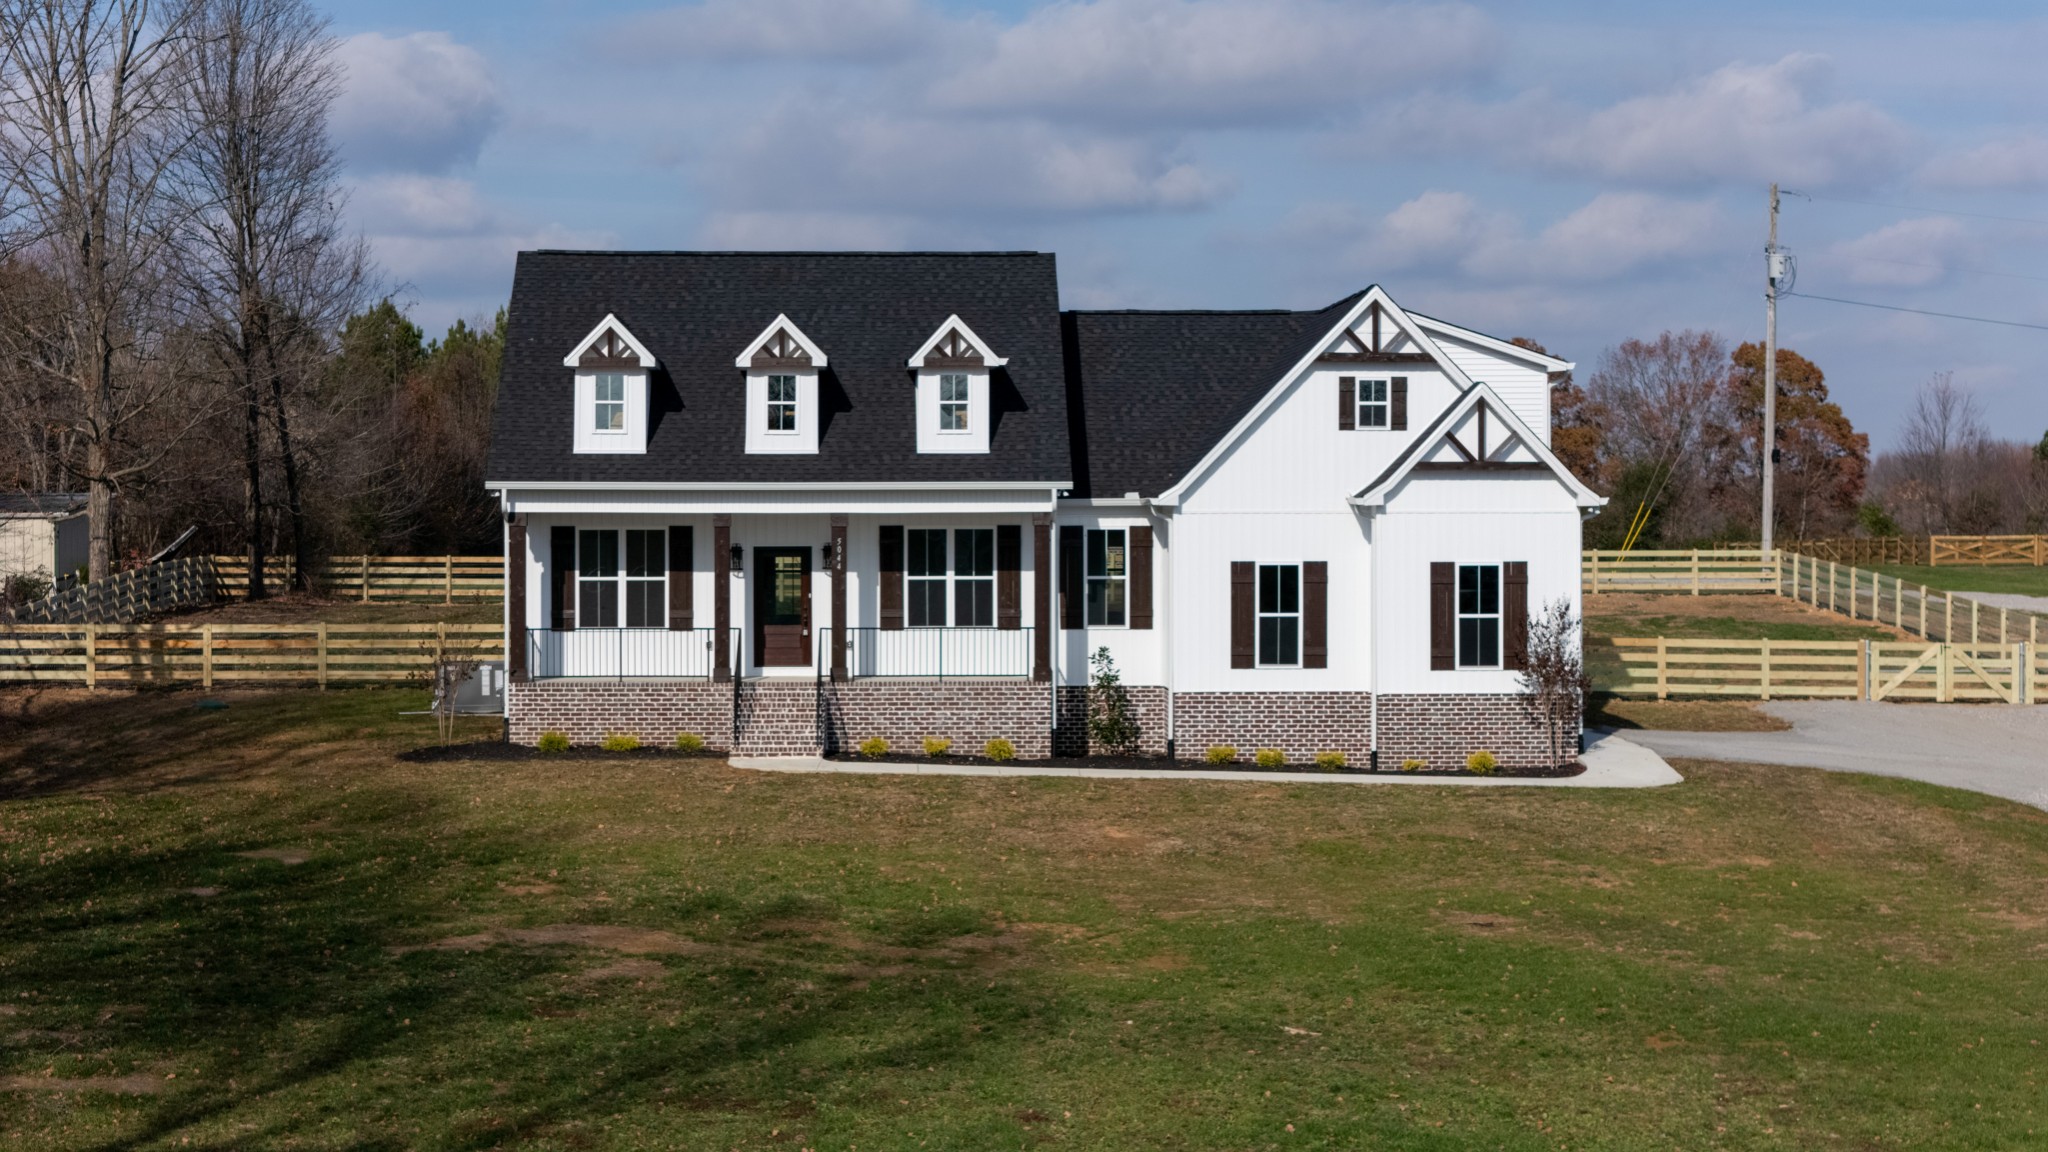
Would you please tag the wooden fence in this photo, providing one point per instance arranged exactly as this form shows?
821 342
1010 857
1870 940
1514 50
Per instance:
126 596
435 579
1985 550
1855 550
1802 669
1930 613
1928 551
95 655
1696 571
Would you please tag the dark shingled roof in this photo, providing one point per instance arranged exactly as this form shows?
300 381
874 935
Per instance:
696 311
1149 393
41 503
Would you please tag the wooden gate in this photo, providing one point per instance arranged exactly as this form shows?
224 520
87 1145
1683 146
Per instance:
1950 672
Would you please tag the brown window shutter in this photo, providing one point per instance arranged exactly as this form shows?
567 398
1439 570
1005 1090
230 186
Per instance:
1243 574
1347 403
1514 615
1141 577
1443 616
682 567
1315 614
1071 592
1398 404
562 562
1009 582
892 577
515 599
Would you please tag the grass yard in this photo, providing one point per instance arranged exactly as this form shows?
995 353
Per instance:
254 928
2019 578
303 609
1726 616
1681 715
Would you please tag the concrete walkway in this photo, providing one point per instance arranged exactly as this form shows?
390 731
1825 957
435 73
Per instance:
1611 762
2012 600
1997 749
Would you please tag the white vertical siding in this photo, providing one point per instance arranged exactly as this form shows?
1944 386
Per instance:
1521 386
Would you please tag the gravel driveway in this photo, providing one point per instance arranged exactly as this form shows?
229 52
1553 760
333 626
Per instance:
1997 749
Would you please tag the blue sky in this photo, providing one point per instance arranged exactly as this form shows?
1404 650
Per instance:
1575 172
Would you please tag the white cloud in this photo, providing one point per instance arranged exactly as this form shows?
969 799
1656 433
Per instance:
2017 163
1206 62
1908 254
419 103
808 231
732 30
1742 123
420 205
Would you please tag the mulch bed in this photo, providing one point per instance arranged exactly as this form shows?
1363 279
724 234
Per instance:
504 750
1160 763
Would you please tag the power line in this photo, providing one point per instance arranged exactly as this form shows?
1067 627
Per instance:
1921 311
1940 267
1916 208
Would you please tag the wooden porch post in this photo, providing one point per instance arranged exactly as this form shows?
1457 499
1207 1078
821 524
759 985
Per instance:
721 597
839 597
515 600
1041 597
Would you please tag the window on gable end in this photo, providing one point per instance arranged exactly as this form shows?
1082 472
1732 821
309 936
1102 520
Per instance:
1373 407
953 402
782 403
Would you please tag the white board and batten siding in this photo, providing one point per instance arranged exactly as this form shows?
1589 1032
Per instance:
1521 385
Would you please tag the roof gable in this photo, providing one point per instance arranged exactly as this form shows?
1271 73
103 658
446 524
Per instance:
609 345
955 345
781 345
1478 433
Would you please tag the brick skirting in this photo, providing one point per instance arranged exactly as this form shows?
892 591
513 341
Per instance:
1148 704
589 710
1300 724
1444 730
970 713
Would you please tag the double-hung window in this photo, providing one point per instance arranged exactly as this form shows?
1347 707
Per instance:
971 574
1279 615
603 583
1106 577
782 403
1478 615
1372 404
952 401
611 402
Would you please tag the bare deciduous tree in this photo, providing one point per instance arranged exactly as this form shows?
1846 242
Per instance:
1554 681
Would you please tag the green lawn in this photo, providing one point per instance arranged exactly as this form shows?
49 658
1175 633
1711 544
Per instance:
1729 628
655 953
2023 579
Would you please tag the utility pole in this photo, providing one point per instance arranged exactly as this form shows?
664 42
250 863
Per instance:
1774 266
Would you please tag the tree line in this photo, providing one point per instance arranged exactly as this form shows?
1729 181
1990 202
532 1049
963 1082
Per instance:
188 332
1671 430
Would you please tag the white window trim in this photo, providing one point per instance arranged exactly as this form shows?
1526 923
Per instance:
794 405
597 403
1259 614
1498 616
1384 406
952 577
622 580
966 404
1125 579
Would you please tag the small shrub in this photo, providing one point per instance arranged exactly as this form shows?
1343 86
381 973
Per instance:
1270 758
937 745
1481 763
689 742
552 742
1220 754
620 742
1112 719
874 748
1330 761
999 750
1414 765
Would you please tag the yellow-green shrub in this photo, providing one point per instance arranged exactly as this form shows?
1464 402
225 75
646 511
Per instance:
620 742
1330 761
1481 763
1220 754
552 742
1270 758
1413 765
874 748
689 742
937 745
999 750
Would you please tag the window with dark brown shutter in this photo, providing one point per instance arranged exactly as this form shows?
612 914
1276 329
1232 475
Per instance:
1515 614
1243 574
1071 598
1443 616
562 564
1315 614
1009 582
1141 577
892 577
682 566
1400 404
1347 403
515 599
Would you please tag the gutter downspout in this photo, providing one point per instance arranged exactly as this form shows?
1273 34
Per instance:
1164 530
1372 543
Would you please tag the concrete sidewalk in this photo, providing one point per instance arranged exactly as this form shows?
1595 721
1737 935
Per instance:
1611 762
1997 749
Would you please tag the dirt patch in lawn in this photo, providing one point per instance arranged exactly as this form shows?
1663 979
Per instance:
609 937
1728 617
285 856
1682 715
134 1084
1481 923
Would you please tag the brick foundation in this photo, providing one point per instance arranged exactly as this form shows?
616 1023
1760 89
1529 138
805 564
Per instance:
1148 706
587 711
1300 724
1444 730
970 713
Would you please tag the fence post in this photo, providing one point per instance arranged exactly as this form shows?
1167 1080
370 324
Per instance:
1863 672
1973 621
92 656
206 655
1948 618
2003 615
366 577
323 655
1663 672
1944 672
1831 585
1596 570
1853 570
1764 680
1923 611
1695 571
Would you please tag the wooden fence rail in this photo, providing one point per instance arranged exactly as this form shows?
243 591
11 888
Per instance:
1929 551
1801 669
1930 613
125 596
208 654
437 579
1696 571
1984 550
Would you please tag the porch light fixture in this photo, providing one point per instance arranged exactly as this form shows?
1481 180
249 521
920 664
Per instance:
738 558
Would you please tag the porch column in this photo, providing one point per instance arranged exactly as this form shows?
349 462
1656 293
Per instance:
721 597
515 599
839 596
1041 597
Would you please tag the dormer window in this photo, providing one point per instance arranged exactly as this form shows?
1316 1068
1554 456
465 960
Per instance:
610 389
954 378
782 366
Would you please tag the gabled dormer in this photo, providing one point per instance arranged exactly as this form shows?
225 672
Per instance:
953 406
782 366
611 389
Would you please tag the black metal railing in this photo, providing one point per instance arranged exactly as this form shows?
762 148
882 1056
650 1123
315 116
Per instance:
932 653
625 653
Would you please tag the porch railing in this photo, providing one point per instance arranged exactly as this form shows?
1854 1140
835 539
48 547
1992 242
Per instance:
621 653
932 653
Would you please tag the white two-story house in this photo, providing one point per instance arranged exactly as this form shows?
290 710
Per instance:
789 501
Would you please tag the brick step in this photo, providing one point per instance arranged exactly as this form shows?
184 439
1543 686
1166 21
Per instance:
776 720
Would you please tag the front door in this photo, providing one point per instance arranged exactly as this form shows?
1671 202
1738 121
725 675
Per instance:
782 607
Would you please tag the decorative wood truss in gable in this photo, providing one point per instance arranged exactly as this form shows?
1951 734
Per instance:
955 345
1480 440
781 345
610 347
1375 338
